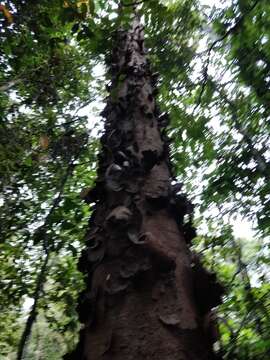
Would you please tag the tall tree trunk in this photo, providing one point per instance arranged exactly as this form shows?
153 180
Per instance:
145 298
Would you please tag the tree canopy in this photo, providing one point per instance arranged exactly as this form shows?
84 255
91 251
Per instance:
212 61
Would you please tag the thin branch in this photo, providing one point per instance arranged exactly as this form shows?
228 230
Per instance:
257 156
210 49
136 3
234 338
238 271
10 84
249 296
226 323
33 313
42 275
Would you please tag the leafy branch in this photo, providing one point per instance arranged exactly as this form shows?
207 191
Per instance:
47 250
232 30
257 156
33 313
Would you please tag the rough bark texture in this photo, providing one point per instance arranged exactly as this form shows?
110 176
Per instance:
146 296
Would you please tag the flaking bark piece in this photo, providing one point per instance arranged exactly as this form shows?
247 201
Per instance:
86 307
91 235
150 158
93 254
207 290
157 201
154 79
170 320
84 193
96 252
163 120
165 259
132 150
132 187
181 206
90 195
189 232
176 188
120 215
134 267
126 164
117 198
113 177
127 128
210 327
121 157
129 270
114 139
113 286
83 263
156 186
113 171
133 236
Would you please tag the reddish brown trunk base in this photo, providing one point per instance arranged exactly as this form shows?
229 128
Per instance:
145 299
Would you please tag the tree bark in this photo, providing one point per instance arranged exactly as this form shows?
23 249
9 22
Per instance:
146 297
